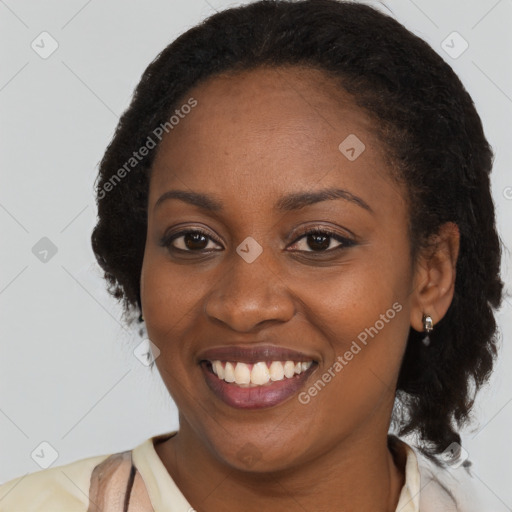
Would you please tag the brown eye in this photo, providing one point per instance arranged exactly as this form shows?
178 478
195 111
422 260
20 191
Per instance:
317 240
190 241
194 241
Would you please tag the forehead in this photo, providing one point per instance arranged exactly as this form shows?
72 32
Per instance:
293 97
270 130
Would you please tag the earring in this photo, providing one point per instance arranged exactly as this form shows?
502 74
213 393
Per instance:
142 327
428 327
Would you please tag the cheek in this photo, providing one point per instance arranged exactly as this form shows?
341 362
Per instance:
364 320
170 303
168 297
168 290
363 313
366 292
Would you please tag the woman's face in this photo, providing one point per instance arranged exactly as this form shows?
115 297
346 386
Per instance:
254 161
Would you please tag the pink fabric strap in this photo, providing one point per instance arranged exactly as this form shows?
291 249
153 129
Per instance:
116 486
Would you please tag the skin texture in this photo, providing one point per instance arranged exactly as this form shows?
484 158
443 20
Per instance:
253 138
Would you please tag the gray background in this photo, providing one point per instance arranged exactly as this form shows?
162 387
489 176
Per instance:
68 375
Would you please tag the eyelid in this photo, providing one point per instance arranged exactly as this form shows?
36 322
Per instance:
344 241
168 238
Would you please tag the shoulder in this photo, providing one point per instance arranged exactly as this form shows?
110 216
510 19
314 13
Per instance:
61 488
446 488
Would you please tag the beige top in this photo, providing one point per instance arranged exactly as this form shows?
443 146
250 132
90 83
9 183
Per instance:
137 481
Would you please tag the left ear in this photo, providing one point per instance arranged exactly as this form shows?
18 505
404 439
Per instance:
434 277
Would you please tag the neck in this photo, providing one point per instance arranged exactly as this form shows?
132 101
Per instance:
360 473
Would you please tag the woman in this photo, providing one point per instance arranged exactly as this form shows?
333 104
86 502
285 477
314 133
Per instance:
297 205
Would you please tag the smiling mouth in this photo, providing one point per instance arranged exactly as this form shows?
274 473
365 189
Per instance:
255 376
261 373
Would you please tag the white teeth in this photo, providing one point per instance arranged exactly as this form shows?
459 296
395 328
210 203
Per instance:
289 369
305 366
218 369
229 372
242 374
276 371
260 374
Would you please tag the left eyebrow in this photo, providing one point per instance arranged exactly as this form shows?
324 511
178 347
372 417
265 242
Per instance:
302 199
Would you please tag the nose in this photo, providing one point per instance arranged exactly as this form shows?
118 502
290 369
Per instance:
249 296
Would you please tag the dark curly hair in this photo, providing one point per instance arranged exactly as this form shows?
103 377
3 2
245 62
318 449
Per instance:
434 140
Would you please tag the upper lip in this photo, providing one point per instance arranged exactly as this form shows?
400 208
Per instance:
253 354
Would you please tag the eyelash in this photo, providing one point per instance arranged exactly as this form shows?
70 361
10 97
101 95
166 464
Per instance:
345 242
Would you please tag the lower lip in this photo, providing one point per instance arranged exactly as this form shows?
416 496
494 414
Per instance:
256 397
